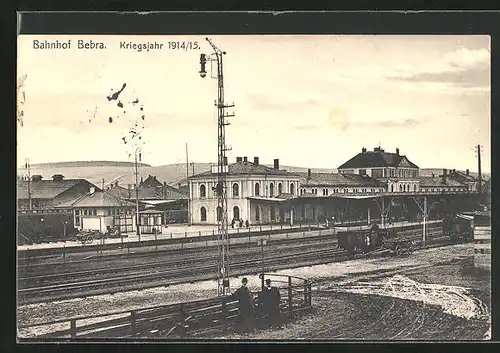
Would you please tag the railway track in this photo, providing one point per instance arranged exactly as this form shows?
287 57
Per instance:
185 273
178 262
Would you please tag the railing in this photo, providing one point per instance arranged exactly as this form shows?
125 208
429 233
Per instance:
394 193
178 320
171 238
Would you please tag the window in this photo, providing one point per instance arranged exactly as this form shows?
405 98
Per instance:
219 214
109 211
85 212
326 190
236 190
203 214
94 212
257 213
203 191
301 191
271 189
292 188
77 221
257 189
272 213
280 189
236 213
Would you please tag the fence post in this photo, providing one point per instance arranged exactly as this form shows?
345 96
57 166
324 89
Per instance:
309 288
305 294
224 315
64 254
182 320
290 294
156 244
73 328
133 327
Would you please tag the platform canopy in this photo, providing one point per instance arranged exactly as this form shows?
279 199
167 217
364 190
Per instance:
268 199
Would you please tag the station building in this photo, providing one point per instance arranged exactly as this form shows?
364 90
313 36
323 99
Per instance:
366 187
255 192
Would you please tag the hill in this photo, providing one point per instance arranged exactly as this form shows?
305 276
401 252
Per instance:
75 164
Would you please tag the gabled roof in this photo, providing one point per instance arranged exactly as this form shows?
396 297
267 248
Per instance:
121 192
157 193
336 179
377 158
438 181
99 199
151 181
47 189
247 168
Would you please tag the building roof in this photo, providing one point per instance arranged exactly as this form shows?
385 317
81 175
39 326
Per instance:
247 168
150 181
120 191
99 199
149 193
462 177
336 179
438 182
47 189
376 158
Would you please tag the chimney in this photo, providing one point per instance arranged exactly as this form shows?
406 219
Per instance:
92 190
363 150
397 151
36 177
116 183
57 177
467 171
445 172
245 159
256 160
129 187
239 159
454 171
276 164
225 160
309 173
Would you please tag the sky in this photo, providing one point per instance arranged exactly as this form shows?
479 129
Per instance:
311 101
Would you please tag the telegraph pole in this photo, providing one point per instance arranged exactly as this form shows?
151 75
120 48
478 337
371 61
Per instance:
187 182
28 172
222 168
478 150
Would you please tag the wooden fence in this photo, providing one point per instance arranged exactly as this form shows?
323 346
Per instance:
187 319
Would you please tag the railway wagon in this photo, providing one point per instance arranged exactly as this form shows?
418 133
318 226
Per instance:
396 239
459 227
45 226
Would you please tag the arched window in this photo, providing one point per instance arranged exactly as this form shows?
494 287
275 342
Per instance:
219 214
415 188
203 214
392 188
292 189
271 189
236 213
257 189
203 190
236 190
280 189
400 187
257 213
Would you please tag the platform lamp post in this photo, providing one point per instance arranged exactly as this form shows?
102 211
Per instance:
137 158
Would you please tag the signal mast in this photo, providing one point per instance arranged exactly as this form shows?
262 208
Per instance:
222 169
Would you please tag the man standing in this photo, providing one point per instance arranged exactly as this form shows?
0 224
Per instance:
271 299
246 307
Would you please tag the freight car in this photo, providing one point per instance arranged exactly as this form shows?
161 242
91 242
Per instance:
459 227
399 239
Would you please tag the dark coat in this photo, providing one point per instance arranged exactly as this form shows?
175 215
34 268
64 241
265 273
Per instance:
270 299
245 300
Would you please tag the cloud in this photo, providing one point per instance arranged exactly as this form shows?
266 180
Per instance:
464 68
264 102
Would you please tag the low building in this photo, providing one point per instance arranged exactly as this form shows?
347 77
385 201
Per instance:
255 192
481 228
444 183
393 169
49 193
327 184
99 209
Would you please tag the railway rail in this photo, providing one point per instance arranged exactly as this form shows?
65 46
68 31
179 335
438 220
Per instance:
186 273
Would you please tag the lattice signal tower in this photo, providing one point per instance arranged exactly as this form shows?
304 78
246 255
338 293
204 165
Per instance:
222 168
